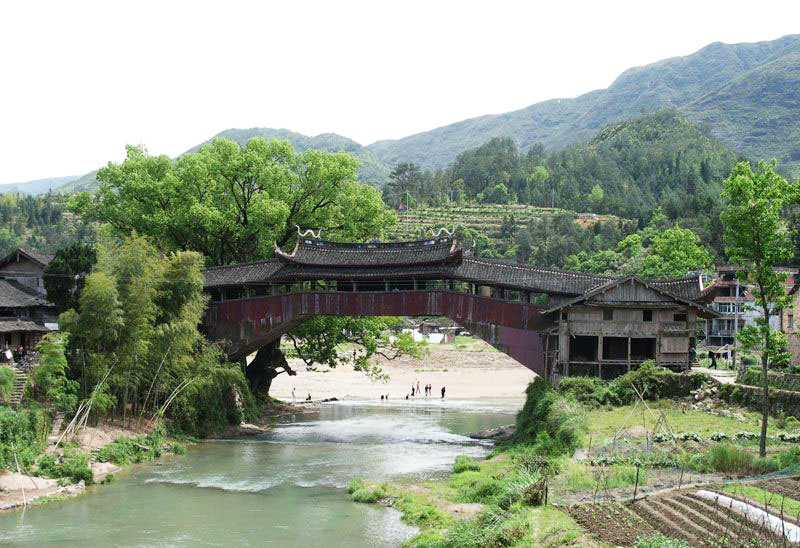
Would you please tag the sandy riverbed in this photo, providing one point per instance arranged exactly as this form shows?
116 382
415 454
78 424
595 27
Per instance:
473 372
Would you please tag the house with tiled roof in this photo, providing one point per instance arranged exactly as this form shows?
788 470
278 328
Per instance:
25 267
25 312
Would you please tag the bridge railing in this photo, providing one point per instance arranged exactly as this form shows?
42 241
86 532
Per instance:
249 291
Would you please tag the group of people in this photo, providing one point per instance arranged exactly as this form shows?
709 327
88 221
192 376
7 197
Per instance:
294 398
415 390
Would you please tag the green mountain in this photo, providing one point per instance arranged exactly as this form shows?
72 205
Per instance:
373 170
746 93
39 186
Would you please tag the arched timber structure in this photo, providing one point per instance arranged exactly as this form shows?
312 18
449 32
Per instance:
522 310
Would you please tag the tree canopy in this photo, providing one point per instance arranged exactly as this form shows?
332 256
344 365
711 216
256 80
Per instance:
232 203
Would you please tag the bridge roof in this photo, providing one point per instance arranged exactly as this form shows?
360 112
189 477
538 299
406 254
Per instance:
312 252
428 259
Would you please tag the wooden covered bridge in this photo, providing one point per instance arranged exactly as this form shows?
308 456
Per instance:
548 320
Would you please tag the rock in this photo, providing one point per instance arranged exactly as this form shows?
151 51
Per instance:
249 429
500 433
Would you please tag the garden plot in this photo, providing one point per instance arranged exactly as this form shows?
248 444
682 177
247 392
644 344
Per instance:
677 514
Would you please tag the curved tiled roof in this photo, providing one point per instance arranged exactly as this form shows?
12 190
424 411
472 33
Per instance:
318 260
321 253
14 296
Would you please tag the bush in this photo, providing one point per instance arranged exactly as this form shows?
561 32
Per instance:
361 492
733 460
655 383
6 382
50 376
464 463
660 541
23 431
124 450
548 420
74 466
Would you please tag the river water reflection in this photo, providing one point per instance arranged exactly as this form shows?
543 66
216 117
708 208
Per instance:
284 488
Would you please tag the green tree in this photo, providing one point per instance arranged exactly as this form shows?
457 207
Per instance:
233 204
64 275
596 196
50 376
757 236
405 180
674 252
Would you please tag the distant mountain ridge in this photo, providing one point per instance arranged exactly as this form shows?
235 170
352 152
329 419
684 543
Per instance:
704 85
748 95
39 186
373 171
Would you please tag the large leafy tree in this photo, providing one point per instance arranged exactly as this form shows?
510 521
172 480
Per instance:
758 237
233 204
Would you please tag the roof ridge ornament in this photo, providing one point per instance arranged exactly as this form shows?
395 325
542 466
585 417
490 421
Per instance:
304 233
443 229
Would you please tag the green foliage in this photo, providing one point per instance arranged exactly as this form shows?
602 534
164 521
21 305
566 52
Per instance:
549 421
39 223
738 461
464 463
64 274
125 450
7 377
23 431
50 376
756 234
245 197
493 528
361 492
660 541
73 465
654 382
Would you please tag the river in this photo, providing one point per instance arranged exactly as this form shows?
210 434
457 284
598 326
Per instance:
284 488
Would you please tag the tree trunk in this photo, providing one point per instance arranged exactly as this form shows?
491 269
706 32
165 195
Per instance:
762 446
268 364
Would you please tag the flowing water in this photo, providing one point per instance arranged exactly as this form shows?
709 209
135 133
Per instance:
285 488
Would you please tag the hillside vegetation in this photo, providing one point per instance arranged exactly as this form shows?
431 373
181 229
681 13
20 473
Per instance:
732 87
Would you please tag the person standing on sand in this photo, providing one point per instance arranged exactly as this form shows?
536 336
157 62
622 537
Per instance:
443 392
417 386
294 398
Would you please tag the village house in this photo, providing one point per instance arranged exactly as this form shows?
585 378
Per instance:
25 313
615 327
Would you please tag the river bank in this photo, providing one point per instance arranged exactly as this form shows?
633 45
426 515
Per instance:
18 490
472 371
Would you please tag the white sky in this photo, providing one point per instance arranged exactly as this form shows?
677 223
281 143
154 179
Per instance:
82 79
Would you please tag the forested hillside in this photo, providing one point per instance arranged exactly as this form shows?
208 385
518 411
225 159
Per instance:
41 223
658 171
747 93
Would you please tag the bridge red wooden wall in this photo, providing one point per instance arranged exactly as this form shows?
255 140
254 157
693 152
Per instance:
250 323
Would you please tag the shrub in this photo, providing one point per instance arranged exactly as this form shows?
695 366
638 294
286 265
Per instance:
733 460
6 382
660 541
552 422
50 376
476 487
464 463
74 466
23 432
124 450
655 383
361 492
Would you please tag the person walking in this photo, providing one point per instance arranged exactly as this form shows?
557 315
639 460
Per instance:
412 390
443 392
417 386
294 398
713 357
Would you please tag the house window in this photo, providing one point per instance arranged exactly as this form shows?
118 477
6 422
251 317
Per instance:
565 315
608 314
679 317
791 321
647 315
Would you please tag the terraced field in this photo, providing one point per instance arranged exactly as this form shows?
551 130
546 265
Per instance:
486 218
684 514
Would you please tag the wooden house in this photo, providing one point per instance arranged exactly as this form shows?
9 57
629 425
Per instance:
615 327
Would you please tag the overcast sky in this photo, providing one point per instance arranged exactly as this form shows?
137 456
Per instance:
82 79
